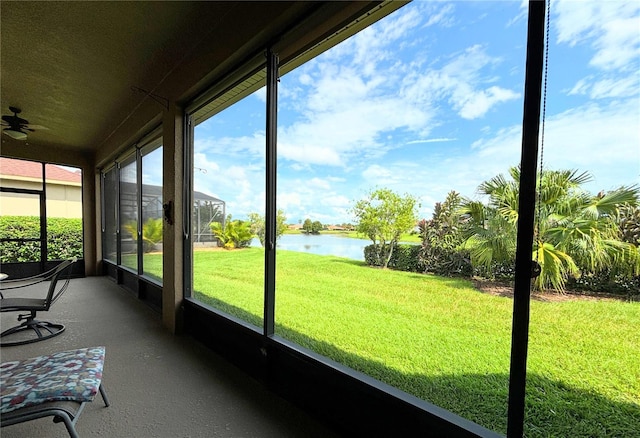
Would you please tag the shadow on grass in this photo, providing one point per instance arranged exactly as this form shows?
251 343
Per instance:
552 407
346 261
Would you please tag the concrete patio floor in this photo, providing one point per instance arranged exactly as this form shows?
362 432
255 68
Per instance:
159 385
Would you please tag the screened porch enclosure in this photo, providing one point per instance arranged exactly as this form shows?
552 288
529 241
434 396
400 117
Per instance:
190 117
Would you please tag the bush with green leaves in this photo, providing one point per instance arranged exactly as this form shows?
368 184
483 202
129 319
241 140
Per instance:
576 232
404 257
606 281
407 258
442 237
64 238
151 233
233 233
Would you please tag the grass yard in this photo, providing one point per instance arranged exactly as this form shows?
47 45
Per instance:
443 341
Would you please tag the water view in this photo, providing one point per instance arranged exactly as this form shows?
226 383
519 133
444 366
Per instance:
323 244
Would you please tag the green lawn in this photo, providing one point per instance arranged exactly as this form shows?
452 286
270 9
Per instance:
443 341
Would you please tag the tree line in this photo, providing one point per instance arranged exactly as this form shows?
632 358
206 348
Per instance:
579 238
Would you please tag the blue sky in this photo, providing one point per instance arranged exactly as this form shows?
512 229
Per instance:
429 100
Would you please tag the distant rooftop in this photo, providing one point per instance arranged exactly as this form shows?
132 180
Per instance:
33 169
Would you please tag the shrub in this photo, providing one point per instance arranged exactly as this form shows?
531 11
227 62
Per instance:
372 255
64 238
151 233
233 234
606 281
404 258
445 262
499 270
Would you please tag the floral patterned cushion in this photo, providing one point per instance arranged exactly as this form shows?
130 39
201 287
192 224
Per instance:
69 375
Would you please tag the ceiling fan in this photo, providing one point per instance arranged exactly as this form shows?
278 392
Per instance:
17 127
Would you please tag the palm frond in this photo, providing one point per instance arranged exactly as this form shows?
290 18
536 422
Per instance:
556 266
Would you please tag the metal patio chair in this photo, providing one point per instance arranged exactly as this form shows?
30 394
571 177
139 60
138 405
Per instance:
54 283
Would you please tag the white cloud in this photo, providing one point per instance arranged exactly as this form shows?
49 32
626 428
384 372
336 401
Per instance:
607 86
522 15
294 150
378 175
244 180
376 40
442 16
431 140
261 94
253 145
460 82
603 140
610 27
319 183
311 198
356 94
289 201
475 105
347 120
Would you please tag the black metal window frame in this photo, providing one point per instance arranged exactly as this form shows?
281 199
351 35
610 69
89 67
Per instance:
41 194
146 146
42 201
130 158
103 206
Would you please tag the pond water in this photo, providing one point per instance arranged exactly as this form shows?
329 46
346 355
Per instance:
323 244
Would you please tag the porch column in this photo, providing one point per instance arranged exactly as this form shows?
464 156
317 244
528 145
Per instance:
172 191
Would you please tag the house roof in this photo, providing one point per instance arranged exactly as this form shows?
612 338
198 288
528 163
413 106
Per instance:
150 190
33 170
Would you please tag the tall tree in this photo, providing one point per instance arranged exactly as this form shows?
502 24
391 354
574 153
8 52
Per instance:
307 226
575 231
442 236
383 216
258 225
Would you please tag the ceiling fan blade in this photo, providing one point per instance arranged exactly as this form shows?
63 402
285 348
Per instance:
31 127
15 120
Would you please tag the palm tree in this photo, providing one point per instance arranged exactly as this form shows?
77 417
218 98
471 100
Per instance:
233 233
574 230
151 232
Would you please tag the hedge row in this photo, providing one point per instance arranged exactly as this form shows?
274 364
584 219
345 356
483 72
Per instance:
64 238
404 257
412 258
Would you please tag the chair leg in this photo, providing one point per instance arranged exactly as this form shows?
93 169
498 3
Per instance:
104 395
68 422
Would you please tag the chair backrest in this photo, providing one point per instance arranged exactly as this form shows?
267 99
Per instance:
17 283
55 287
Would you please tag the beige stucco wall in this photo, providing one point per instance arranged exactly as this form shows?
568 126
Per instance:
64 199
